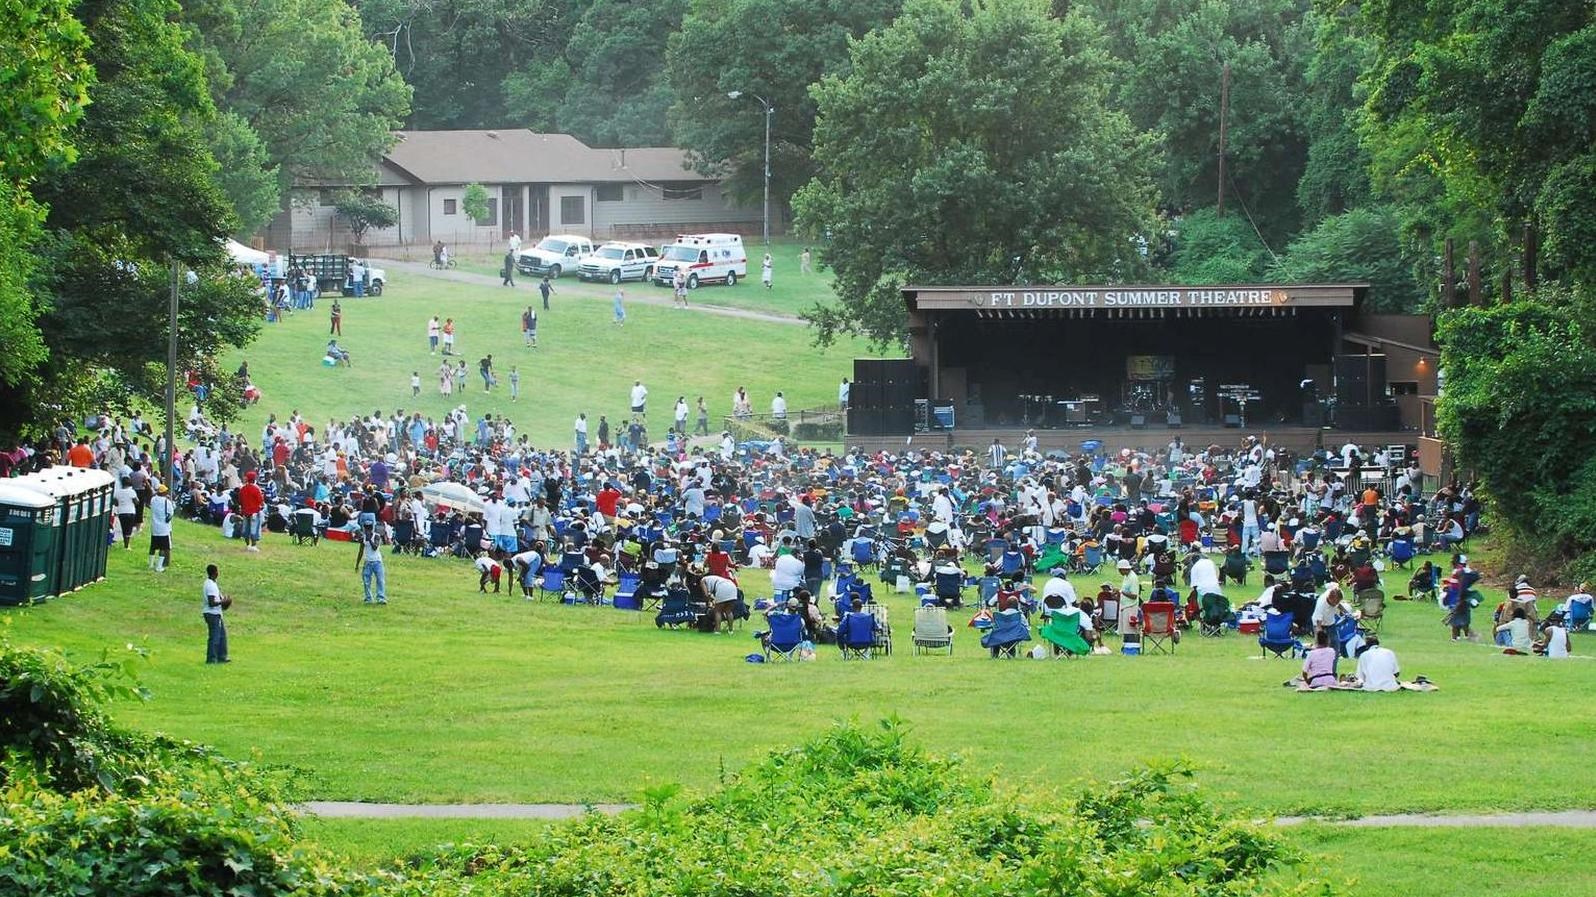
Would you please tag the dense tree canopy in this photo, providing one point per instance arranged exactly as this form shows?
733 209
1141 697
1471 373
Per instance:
972 144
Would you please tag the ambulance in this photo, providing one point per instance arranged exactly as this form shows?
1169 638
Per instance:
706 258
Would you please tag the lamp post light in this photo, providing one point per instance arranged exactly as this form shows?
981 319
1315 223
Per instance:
769 111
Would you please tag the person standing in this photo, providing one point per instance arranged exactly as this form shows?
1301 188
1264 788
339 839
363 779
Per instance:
337 319
415 384
357 278
679 288
546 288
804 261
509 270
842 394
681 415
515 383
448 336
702 429
581 434
620 306
485 368
215 628
251 502
765 271
433 329
162 512
126 508
514 243
532 328
639 399
368 561
527 331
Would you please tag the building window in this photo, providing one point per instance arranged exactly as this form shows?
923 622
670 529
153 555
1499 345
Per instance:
327 197
573 210
492 218
1404 388
610 193
449 206
683 191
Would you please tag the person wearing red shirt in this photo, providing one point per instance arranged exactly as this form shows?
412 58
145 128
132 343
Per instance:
718 562
251 502
607 501
280 452
81 455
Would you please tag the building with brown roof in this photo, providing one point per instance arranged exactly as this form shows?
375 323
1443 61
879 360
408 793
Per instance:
537 184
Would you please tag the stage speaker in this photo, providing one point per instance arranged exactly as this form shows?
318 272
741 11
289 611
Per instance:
1173 420
1138 421
1370 419
1360 379
1233 421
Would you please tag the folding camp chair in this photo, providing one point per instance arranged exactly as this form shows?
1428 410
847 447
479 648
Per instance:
948 586
1157 627
1009 631
676 610
995 548
863 552
1277 562
1402 552
552 582
1371 609
626 586
1108 613
303 527
856 636
1579 616
441 536
1091 558
1062 630
883 643
785 635
1214 612
1013 561
931 630
1276 636
1347 636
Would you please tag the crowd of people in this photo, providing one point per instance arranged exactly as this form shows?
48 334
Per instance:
669 522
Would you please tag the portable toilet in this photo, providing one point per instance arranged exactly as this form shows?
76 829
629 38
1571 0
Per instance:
83 512
29 530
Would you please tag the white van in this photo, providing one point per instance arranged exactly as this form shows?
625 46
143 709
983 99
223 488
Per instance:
707 258
616 262
554 255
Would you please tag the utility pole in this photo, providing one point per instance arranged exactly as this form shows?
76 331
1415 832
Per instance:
1224 115
171 380
769 111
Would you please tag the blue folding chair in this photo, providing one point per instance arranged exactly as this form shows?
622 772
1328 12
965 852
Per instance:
949 587
552 582
626 585
1013 561
785 635
856 636
1402 552
1009 631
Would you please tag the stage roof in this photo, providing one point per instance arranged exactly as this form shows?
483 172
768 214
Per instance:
1225 296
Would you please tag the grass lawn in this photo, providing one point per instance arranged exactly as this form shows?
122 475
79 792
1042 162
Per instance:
584 363
371 843
447 695
1452 862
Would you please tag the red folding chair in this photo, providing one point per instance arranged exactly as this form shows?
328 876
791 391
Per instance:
1157 627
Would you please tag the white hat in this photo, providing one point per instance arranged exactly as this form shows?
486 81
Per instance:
1124 564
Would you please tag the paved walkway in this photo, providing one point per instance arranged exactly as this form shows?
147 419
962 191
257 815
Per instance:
355 809
642 297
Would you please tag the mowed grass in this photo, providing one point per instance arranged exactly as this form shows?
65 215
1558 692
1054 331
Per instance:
372 843
584 363
450 696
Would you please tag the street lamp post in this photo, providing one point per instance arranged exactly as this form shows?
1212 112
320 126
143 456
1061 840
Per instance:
769 111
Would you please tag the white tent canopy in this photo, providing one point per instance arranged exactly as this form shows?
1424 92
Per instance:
255 258
454 496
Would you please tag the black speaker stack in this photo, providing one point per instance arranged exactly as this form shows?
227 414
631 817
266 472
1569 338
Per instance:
881 397
1361 400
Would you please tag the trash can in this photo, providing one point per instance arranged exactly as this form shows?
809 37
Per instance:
29 527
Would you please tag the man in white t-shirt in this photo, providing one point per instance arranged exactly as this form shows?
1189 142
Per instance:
639 398
162 512
788 574
1377 668
216 631
1058 586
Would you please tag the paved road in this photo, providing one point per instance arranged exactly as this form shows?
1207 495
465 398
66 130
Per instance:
355 809
644 297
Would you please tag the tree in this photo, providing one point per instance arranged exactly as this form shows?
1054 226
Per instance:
971 144
475 202
1480 116
363 211
774 49
321 99
141 195
1170 58
1362 245
616 54
46 80
1210 248
1335 177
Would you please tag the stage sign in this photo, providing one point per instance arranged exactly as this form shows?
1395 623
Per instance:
1131 297
1150 367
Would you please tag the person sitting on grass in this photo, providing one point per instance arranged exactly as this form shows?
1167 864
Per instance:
1319 664
1377 667
1517 630
1553 642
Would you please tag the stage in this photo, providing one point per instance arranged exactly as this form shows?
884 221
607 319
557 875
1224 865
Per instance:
1298 440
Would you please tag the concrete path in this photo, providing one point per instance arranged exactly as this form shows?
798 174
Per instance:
643 297
355 809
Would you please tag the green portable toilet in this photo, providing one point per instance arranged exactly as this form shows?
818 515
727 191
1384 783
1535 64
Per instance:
29 526
83 509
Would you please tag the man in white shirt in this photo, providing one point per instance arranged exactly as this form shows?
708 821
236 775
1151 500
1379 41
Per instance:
639 399
778 407
1060 587
681 415
1377 668
1327 609
1205 576
842 394
788 574
162 511
211 608
514 242
942 506
581 434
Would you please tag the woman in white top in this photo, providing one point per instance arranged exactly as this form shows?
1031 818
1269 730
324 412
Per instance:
126 501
